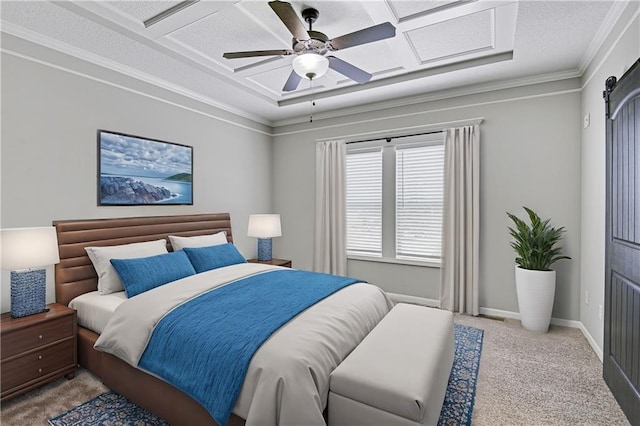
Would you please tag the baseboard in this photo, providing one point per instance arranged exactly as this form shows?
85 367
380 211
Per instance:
555 321
499 313
515 315
597 349
403 298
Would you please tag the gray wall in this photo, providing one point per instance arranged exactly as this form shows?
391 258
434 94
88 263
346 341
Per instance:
619 52
534 152
49 122
530 155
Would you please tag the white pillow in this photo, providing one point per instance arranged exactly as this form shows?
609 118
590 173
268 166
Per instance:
108 279
200 241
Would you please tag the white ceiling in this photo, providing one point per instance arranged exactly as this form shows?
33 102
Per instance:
438 45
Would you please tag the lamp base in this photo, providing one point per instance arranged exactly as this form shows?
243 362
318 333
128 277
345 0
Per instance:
264 249
28 292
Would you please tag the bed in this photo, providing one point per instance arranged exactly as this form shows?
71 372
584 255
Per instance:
75 276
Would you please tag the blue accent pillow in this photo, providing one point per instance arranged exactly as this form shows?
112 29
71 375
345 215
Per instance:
144 273
212 257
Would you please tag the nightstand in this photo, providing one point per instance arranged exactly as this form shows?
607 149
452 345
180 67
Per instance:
276 262
37 349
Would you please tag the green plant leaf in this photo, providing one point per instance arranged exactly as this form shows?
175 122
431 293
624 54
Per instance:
535 245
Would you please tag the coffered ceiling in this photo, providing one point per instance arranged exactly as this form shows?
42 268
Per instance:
438 45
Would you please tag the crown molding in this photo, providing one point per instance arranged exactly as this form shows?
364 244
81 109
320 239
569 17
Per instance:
587 78
612 18
129 89
608 24
39 39
445 94
424 112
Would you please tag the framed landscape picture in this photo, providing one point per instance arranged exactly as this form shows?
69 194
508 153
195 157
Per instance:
134 171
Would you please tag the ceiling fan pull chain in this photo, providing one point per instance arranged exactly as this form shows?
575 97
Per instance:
313 102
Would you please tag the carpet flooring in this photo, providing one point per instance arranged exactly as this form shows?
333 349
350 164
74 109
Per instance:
529 378
525 378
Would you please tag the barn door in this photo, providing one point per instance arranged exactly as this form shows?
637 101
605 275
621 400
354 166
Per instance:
621 367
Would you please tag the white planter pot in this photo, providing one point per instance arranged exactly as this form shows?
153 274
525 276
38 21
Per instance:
536 291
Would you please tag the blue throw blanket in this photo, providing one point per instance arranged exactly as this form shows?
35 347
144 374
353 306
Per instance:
204 346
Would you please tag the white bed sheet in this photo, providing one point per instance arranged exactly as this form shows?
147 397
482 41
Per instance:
95 309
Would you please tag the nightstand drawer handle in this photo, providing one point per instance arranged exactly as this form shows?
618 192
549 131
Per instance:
39 356
39 370
40 337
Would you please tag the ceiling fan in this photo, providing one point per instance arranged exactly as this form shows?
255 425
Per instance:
311 47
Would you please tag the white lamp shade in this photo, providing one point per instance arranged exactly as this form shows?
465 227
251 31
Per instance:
24 248
310 65
264 226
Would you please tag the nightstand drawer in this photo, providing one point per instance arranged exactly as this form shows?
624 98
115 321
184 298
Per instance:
30 337
36 364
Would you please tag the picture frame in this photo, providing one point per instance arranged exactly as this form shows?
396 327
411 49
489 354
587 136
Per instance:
135 170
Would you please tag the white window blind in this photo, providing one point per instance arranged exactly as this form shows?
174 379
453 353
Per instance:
419 201
364 203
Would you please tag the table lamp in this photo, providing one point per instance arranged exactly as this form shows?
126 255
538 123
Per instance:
24 252
264 227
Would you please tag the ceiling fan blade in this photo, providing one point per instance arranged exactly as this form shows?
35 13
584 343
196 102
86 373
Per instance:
292 82
351 71
249 54
290 19
367 35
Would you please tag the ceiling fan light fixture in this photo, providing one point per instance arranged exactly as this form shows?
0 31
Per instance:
310 65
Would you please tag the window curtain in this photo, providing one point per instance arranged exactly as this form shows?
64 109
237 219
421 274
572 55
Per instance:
330 252
461 220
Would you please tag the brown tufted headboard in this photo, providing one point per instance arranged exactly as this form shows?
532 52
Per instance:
74 275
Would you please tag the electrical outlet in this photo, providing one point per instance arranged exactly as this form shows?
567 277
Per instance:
600 312
586 297
587 120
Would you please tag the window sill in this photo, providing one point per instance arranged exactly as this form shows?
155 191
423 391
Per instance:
423 263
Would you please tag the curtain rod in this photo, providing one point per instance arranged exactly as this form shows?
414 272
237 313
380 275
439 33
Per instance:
390 138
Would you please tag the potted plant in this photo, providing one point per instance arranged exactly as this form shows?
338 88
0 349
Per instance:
536 248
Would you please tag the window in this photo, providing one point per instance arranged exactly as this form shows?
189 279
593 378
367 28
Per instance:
419 190
364 203
395 199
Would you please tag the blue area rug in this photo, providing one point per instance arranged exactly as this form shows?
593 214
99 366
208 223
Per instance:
108 409
461 390
112 409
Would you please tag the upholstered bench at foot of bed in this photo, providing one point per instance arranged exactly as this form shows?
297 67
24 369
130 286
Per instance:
398 375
